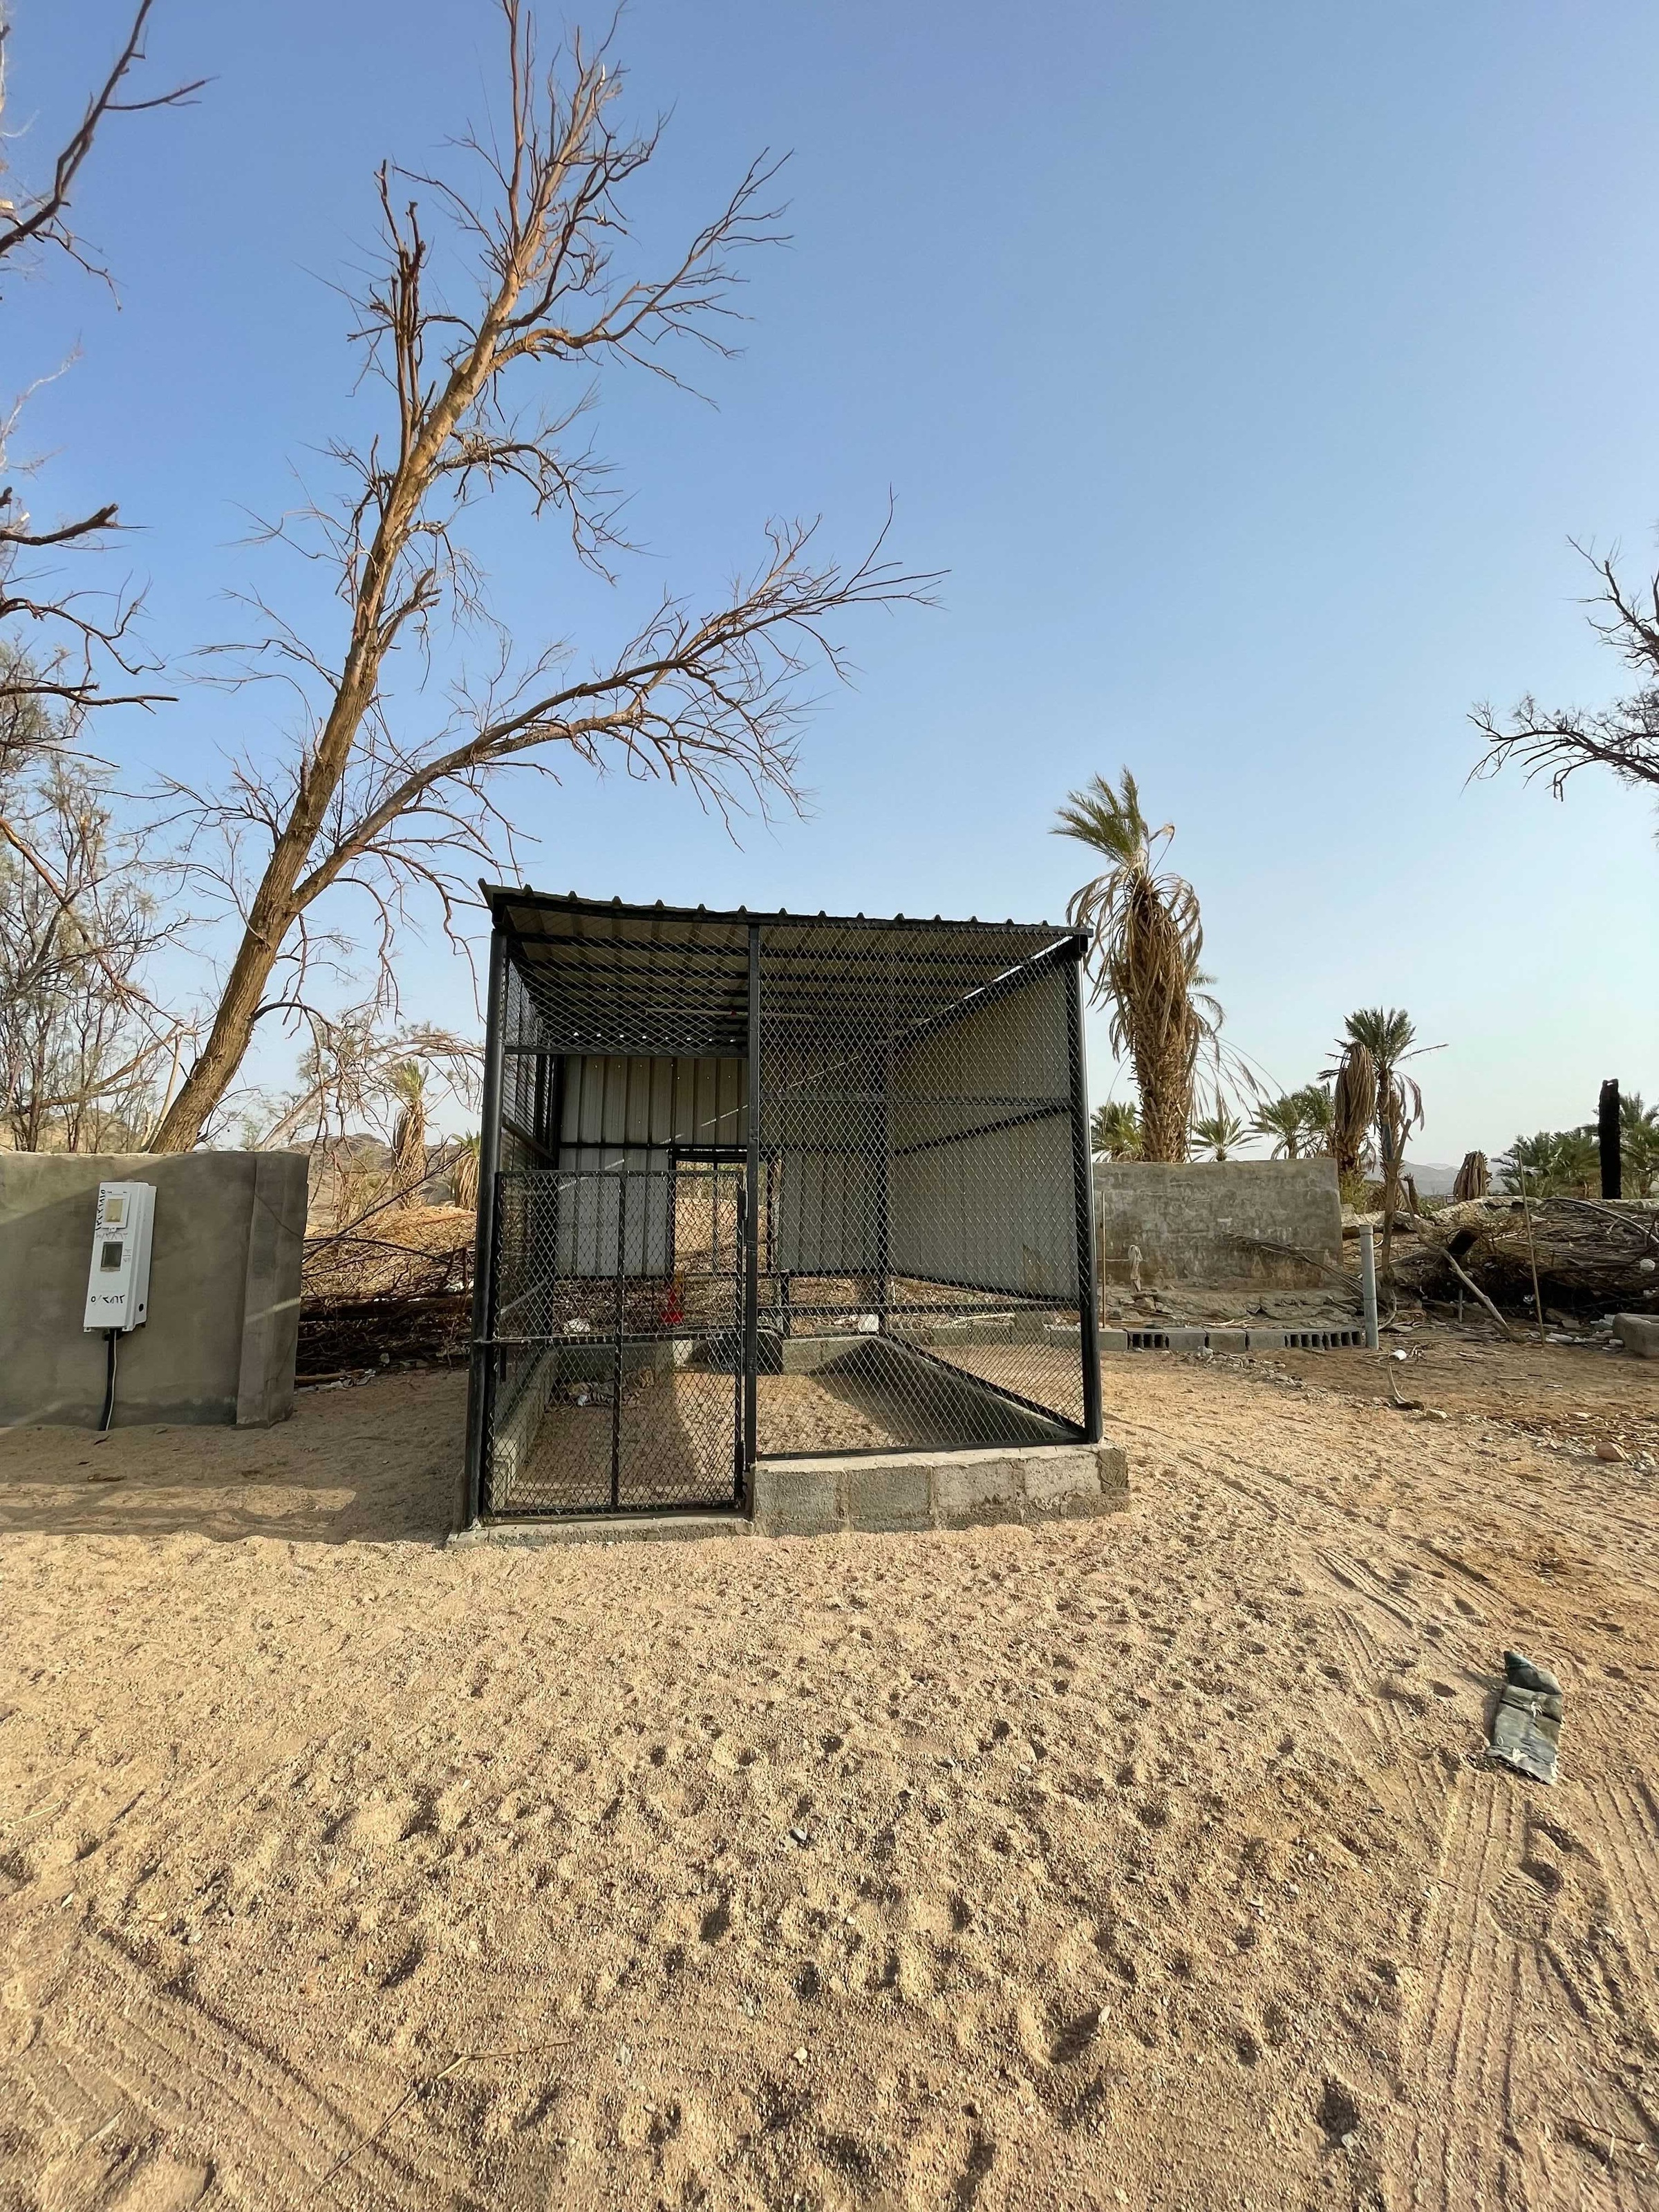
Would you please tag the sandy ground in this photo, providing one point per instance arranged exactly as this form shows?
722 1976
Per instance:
1147 1861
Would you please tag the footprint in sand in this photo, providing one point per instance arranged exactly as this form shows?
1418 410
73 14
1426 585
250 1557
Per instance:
375 1824
163 2184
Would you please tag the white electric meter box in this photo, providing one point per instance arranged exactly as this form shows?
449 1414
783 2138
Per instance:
118 1288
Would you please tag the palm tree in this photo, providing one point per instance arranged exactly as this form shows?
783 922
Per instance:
1318 1116
1115 1131
464 1178
1386 1037
1354 1106
1145 941
407 1167
1217 1133
1285 1120
1555 1163
1639 1145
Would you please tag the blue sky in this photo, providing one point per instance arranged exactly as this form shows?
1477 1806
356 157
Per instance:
1247 368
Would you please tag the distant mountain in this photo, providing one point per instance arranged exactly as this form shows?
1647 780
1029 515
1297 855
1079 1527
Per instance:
1433 1179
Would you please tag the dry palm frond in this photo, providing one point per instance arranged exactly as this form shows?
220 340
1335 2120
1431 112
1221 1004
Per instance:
406 1169
1354 1106
463 1176
1473 1178
1388 1036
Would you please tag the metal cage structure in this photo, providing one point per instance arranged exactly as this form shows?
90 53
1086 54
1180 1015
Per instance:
764 1186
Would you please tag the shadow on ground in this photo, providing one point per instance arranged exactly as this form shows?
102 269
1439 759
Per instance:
378 1464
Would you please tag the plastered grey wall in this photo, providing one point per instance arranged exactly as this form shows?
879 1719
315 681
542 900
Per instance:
224 1289
1207 1224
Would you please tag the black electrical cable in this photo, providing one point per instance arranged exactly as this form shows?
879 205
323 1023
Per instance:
109 1387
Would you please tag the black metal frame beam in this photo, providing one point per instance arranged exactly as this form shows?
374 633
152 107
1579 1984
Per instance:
751 1227
482 1376
1082 1187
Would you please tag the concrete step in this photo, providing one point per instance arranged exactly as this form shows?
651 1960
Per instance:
605 1528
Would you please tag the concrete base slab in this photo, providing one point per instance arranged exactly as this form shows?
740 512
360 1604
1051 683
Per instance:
877 1492
603 1528
937 1490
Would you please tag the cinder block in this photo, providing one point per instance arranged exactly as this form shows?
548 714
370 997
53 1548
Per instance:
1051 1477
791 1501
1114 1339
1063 1332
976 1490
1112 1469
1228 1339
1639 1333
1266 1339
1148 1339
1184 1340
988 1331
887 1497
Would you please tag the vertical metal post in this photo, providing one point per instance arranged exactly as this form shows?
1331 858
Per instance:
1083 1184
739 1250
751 1241
1607 1138
885 1158
482 1388
621 1320
1368 1284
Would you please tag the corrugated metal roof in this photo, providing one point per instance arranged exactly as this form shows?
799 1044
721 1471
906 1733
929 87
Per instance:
607 976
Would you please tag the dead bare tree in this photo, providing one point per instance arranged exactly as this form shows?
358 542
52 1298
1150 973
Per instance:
361 1107
76 638
82 1044
710 698
1623 737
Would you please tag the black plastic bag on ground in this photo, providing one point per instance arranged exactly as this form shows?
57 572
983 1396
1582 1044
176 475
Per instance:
1526 1729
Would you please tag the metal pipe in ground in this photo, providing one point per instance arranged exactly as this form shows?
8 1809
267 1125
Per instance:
1368 1283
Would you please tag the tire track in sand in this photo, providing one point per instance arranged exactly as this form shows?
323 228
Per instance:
277 2142
1458 2054
1508 2120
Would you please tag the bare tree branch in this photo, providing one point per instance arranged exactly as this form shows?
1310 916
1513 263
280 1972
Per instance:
81 1040
72 636
1623 737
711 699
40 219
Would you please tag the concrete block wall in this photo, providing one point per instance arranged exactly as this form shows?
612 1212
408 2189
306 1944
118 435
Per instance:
1206 1224
224 1289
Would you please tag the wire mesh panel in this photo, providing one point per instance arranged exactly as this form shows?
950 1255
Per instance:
905 1102
618 1337
918 1106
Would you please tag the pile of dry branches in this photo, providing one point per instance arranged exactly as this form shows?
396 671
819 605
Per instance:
394 1286
1588 1253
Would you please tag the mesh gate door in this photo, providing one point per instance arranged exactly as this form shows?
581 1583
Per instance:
619 1338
